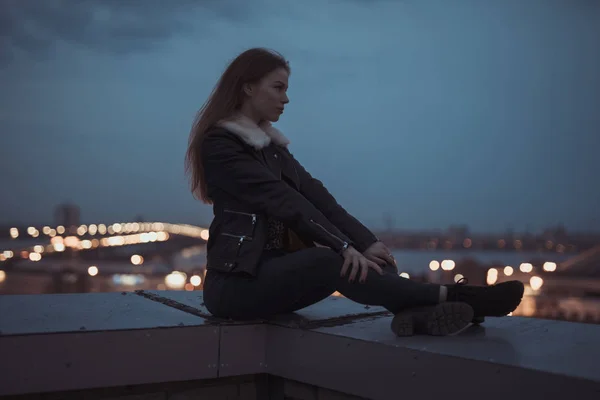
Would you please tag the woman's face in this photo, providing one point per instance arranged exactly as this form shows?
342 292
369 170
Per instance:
267 98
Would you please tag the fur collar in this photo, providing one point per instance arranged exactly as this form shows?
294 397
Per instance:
258 136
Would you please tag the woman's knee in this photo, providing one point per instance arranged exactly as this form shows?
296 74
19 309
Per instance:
325 259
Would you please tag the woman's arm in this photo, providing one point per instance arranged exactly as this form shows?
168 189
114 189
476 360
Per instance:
317 194
229 166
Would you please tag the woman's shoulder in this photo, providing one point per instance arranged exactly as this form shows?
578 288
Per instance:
218 137
218 133
215 130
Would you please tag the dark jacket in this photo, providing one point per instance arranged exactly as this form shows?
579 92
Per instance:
247 184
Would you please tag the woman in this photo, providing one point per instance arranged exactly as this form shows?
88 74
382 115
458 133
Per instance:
269 212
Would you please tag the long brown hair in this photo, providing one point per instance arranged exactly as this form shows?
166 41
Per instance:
226 98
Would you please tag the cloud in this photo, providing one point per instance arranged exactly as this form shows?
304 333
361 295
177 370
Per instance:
118 26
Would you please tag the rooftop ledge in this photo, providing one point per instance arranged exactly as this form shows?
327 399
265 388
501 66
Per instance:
165 345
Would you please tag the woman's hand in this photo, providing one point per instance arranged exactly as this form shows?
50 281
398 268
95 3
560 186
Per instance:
379 254
358 261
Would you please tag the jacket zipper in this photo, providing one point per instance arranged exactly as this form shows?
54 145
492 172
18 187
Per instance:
240 242
242 238
343 242
243 213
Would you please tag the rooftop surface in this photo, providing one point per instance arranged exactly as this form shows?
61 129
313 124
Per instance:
69 342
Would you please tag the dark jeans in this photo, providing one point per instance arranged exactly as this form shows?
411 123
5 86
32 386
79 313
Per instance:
287 282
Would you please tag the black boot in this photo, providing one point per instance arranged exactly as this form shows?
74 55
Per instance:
488 301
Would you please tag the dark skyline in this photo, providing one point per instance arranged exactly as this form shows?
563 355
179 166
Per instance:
437 113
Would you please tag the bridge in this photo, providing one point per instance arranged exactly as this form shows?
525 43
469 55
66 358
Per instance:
29 236
35 243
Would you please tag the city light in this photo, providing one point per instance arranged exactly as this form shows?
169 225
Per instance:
549 266
536 282
196 280
93 270
175 280
113 241
149 237
33 232
71 241
162 236
448 265
60 229
59 247
434 265
14 233
405 275
492 276
2 276
204 234
136 259
508 270
35 256
526 267
128 279
458 277
92 229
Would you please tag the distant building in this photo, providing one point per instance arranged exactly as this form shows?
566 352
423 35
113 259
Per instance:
556 233
458 232
67 215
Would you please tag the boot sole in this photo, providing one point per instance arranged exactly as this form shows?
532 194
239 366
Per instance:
443 319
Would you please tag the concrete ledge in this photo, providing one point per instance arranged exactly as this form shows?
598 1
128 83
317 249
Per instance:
163 342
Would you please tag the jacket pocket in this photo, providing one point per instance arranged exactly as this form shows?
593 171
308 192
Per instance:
239 223
226 251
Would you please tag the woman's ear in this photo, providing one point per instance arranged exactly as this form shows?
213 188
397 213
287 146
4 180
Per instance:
248 89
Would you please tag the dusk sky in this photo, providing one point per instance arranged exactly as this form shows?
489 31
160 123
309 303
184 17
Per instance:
484 113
